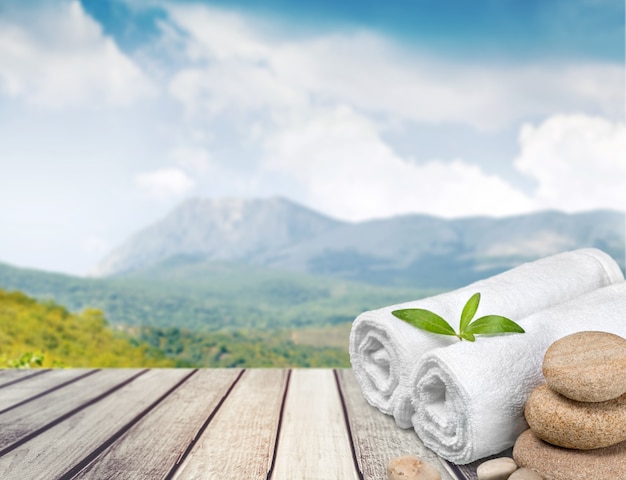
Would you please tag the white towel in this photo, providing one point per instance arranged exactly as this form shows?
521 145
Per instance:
384 350
469 398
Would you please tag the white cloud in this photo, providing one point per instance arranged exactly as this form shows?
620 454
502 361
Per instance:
240 65
56 57
234 86
319 106
372 74
195 158
219 34
165 183
347 170
578 161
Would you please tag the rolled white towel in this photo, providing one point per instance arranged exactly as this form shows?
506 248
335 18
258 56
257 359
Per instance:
384 350
469 398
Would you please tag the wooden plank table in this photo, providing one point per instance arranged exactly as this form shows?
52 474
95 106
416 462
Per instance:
269 424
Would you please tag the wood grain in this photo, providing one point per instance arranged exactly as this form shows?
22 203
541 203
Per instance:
150 449
239 441
21 422
313 442
377 439
13 375
54 452
206 424
38 385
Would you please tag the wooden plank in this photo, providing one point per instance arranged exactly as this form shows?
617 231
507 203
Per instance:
33 387
19 423
313 442
7 374
150 449
239 441
377 439
56 452
10 376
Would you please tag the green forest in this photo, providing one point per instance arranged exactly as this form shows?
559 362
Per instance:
183 314
44 334
210 296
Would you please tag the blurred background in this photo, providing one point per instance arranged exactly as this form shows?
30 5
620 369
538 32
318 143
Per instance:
230 183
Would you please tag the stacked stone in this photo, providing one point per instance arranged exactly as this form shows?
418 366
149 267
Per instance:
577 418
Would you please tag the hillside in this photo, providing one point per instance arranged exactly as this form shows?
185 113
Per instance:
46 334
210 296
219 314
271 283
417 251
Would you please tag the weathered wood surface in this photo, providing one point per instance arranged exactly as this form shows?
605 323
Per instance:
239 441
152 447
30 387
270 424
9 377
313 437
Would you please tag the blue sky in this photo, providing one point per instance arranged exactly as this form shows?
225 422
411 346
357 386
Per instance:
112 113
549 29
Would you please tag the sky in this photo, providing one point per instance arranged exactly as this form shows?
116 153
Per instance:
112 113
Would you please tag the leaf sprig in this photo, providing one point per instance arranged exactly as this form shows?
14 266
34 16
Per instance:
468 329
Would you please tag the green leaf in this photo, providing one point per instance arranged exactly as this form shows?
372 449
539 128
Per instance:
425 320
469 310
493 324
467 336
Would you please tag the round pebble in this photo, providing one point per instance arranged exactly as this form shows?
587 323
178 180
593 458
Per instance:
555 463
496 469
570 424
525 474
587 366
410 467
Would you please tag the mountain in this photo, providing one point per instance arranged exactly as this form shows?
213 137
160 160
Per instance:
226 229
413 250
424 251
268 282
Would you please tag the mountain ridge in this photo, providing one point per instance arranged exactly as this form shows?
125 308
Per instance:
217 229
413 249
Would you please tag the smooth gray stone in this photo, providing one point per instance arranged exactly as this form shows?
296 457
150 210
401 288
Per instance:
496 469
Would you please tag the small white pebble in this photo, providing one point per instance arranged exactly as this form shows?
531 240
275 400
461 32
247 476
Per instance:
410 467
496 469
525 474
